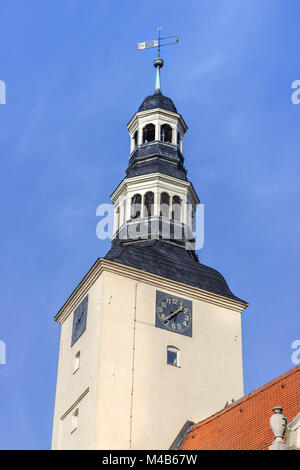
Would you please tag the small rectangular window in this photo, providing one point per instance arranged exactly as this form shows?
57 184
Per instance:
75 420
173 356
76 362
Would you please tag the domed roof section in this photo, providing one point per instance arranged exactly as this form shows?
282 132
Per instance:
157 100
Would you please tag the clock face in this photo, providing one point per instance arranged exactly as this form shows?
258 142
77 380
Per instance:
79 320
173 313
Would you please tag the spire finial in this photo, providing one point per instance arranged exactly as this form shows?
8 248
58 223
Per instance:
158 62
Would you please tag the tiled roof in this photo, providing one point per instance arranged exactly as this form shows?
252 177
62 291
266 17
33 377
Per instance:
157 157
244 425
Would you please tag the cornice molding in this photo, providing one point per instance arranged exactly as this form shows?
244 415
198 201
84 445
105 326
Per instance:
103 265
159 111
150 177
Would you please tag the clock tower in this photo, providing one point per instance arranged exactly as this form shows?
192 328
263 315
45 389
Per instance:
150 338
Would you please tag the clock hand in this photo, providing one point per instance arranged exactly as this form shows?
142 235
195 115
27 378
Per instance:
174 313
78 319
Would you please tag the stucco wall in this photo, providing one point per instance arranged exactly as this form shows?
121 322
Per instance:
135 398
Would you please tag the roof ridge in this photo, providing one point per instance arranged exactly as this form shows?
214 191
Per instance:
246 397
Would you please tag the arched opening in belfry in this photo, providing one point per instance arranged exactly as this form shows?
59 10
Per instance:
176 208
164 205
166 133
148 204
136 204
148 133
118 218
135 139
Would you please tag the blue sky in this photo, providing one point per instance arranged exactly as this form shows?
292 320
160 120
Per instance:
74 78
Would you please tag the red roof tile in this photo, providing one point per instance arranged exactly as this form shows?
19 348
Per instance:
244 425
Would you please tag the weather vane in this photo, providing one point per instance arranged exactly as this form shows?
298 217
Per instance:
158 62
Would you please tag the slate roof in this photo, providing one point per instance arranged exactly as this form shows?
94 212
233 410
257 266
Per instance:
157 157
157 100
244 425
172 262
